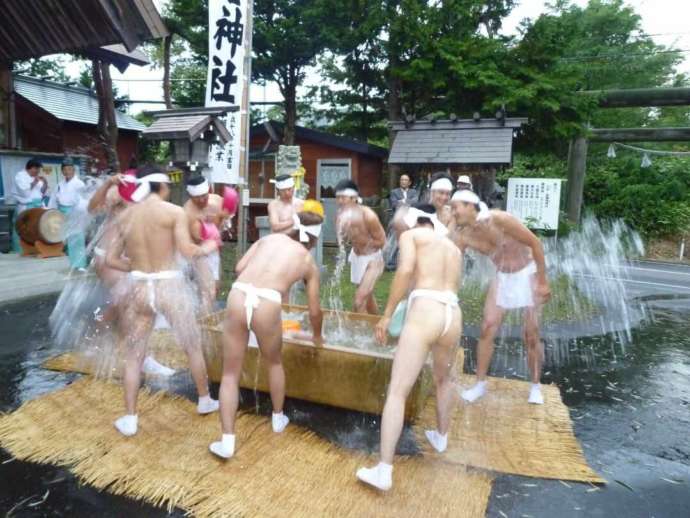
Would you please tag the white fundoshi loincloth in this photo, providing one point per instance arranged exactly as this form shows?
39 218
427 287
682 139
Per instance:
514 290
253 296
359 264
150 278
447 298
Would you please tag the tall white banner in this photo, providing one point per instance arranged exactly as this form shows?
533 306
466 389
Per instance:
226 82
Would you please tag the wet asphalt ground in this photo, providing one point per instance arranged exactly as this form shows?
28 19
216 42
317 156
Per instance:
630 407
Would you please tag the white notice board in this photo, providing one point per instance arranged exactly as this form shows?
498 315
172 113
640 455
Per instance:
535 201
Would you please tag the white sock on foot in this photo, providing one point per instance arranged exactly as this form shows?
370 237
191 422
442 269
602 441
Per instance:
380 476
207 405
127 425
279 422
151 366
535 395
224 448
473 394
438 441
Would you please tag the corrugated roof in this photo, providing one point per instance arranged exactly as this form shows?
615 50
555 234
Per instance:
33 28
453 146
68 103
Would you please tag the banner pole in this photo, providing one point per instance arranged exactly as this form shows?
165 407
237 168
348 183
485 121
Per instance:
243 210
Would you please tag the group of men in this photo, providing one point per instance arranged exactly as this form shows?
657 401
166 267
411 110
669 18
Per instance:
30 191
144 234
432 238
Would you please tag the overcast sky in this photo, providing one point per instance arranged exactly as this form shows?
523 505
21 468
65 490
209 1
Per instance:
666 20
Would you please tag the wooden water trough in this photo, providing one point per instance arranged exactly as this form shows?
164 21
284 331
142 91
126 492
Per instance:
332 375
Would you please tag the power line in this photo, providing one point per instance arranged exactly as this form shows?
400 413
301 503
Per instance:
617 55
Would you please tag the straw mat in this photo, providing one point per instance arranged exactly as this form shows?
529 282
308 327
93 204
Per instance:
502 432
168 464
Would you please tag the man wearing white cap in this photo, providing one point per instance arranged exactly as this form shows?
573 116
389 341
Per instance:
206 219
463 183
151 234
265 274
520 282
360 226
282 210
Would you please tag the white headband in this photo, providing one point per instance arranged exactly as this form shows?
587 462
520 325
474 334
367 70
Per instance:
413 214
442 184
349 191
144 188
304 230
199 190
283 184
468 196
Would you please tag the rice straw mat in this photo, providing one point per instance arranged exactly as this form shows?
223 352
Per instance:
502 432
168 464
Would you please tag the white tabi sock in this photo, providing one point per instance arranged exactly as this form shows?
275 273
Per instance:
154 368
380 476
473 394
438 441
207 405
535 395
279 422
127 425
225 448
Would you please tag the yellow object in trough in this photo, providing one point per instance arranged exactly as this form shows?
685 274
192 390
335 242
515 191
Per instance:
291 325
313 206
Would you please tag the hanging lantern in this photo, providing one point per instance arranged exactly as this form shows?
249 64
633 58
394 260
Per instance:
612 151
646 161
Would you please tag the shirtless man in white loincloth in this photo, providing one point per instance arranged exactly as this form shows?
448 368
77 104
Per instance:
266 272
433 323
107 199
282 210
151 233
360 226
206 219
520 282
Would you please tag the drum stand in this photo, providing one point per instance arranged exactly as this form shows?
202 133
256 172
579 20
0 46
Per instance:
43 250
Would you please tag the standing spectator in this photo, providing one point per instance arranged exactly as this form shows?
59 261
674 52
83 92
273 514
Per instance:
403 196
28 191
463 183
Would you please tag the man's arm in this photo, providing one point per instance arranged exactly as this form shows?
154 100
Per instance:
401 282
412 196
242 263
183 239
277 225
312 281
378 235
100 199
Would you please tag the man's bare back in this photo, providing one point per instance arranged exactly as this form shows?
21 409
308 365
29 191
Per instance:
276 262
488 238
152 231
438 261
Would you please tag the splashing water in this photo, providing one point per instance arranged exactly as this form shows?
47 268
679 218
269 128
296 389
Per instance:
587 271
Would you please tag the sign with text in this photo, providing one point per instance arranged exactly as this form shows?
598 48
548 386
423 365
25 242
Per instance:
225 82
535 201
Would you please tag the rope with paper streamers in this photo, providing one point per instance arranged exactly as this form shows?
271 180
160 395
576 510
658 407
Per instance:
646 153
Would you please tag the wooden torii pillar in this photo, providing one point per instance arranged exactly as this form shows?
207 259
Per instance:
633 98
